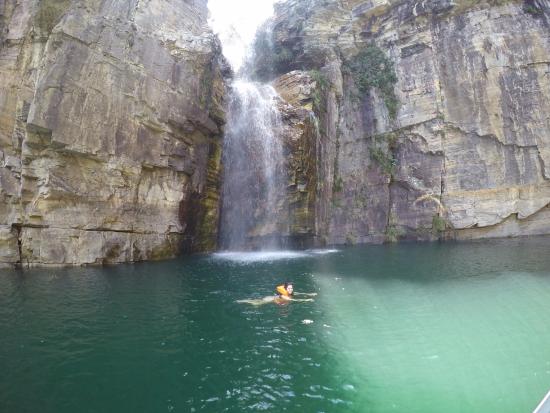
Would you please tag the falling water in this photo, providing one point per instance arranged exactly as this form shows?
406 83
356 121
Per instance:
253 181
252 166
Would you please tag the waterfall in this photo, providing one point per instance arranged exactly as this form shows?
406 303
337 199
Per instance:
253 166
254 173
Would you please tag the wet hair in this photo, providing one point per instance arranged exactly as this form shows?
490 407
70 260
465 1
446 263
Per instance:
287 283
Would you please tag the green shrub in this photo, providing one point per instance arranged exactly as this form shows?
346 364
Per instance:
439 224
319 78
321 87
338 185
532 10
371 68
351 239
393 232
337 188
386 160
391 138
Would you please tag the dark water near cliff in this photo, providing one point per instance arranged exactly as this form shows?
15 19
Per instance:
415 328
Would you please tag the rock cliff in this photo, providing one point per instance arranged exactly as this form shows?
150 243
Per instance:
402 119
433 116
111 114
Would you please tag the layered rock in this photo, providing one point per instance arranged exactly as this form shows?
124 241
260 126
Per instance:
467 154
110 121
300 134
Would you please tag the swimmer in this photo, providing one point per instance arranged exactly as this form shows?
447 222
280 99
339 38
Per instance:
285 292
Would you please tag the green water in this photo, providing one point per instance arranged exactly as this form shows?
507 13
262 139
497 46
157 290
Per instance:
409 328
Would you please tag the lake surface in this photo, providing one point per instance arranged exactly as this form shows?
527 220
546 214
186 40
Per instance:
408 328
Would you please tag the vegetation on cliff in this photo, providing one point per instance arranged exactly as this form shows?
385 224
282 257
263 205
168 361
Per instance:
49 13
393 231
382 151
371 68
439 225
321 87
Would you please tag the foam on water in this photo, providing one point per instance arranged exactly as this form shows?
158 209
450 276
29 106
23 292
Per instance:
323 251
258 256
267 256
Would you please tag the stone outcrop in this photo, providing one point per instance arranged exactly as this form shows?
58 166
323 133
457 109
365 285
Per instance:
467 154
111 115
300 133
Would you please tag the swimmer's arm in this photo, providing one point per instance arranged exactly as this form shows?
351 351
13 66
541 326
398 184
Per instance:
306 294
300 299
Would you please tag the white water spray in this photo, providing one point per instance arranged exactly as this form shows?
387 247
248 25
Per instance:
236 23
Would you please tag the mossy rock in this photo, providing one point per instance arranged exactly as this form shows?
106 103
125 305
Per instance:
384 159
393 231
49 13
439 225
371 68
351 239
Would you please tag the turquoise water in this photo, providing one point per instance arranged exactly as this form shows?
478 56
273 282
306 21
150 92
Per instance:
416 328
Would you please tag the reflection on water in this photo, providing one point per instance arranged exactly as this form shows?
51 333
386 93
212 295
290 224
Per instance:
416 328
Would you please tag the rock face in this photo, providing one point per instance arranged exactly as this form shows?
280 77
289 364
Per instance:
110 121
300 133
467 154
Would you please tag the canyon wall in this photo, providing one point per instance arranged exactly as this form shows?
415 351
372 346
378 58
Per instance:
451 139
111 116
401 119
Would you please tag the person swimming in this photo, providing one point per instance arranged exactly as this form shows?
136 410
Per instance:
284 292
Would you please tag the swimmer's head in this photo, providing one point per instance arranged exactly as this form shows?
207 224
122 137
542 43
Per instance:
289 287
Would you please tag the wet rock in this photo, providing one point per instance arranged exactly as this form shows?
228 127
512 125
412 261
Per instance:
9 249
